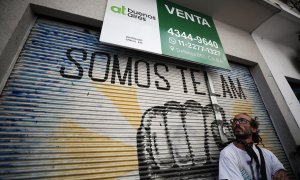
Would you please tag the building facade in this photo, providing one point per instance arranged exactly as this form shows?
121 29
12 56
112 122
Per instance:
72 107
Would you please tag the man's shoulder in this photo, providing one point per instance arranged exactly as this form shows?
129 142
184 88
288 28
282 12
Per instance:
271 159
229 149
269 155
266 151
230 153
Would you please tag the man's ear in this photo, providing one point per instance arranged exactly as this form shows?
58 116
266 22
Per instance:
253 129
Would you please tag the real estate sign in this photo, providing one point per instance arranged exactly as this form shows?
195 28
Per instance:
165 28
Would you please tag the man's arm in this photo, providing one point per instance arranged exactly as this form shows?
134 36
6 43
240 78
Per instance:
278 171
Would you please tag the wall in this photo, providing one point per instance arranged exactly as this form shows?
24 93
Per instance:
16 18
152 114
280 54
12 11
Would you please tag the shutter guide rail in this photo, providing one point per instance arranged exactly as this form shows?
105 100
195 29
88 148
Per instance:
216 108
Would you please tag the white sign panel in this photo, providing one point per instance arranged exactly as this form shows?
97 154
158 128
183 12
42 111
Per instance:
132 25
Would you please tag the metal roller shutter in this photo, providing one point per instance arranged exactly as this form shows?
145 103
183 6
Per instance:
77 109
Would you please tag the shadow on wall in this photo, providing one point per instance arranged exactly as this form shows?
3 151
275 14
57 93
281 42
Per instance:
296 156
296 61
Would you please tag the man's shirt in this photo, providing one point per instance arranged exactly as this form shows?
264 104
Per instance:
235 164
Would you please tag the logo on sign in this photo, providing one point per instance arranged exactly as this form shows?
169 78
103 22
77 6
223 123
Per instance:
132 13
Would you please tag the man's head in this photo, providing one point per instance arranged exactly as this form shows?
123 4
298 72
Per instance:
245 128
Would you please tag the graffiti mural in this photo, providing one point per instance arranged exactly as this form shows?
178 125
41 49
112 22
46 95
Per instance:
169 146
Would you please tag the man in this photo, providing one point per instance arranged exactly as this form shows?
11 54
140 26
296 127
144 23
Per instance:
242 159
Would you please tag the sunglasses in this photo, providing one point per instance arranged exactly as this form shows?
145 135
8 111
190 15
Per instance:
240 121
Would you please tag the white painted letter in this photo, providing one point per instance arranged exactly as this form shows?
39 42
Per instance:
204 22
171 11
189 16
180 13
198 19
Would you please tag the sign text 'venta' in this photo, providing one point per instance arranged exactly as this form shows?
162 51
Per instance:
188 16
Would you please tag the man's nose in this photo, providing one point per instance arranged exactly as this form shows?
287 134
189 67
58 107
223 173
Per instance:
236 125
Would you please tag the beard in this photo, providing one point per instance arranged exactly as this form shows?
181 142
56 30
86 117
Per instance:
242 134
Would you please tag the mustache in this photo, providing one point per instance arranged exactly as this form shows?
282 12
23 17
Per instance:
237 128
